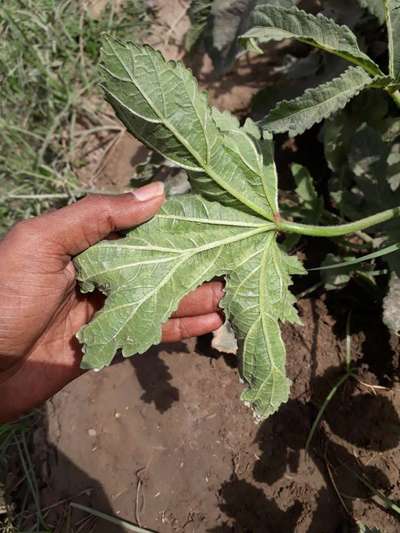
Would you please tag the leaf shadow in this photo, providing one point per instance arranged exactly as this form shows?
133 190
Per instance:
357 415
204 348
353 418
358 418
155 378
370 336
252 511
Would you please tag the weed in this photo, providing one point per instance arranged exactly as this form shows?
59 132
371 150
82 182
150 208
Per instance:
49 116
49 110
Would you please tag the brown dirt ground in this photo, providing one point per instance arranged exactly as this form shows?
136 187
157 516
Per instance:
164 441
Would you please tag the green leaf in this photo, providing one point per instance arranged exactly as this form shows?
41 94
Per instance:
273 23
198 14
355 261
391 305
217 24
375 7
257 298
159 102
316 104
190 241
228 19
338 130
311 205
308 206
335 279
392 16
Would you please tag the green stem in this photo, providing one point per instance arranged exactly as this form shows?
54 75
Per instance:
396 97
341 229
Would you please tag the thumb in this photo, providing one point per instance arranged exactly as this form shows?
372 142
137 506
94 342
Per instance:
73 229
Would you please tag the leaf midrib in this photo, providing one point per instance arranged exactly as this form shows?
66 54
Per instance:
185 255
182 140
215 221
262 288
259 172
364 61
304 110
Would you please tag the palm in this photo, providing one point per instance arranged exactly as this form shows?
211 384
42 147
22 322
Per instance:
41 308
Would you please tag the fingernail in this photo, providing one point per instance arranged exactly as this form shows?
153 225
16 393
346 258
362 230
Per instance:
150 191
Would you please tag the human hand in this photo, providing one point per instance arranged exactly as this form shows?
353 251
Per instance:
41 308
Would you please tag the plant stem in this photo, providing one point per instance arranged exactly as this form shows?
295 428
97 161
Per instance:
341 229
396 97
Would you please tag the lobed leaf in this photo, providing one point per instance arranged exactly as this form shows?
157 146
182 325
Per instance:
274 23
147 273
392 16
316 104
159 102
191 240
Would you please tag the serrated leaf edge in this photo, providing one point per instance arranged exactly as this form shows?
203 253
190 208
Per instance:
308 92
203 166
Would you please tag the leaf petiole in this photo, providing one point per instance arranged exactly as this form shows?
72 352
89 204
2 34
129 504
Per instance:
395 95
341 229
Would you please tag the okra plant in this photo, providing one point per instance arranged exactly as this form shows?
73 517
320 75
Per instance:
274 22
361 141
228 227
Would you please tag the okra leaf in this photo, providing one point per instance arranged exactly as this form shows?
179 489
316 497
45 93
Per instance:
316 104
198 12
274 23
160 103
391 305
392 16
228 19
310 204
375 7
217 24
191 240
257 298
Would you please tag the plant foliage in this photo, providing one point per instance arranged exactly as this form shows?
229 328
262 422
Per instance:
274 22
375 7
228 228
362 149
297 115
217 25
193 239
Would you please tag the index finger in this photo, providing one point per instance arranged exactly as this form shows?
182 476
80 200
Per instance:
201 301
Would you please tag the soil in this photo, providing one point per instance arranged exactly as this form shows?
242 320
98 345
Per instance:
164 441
